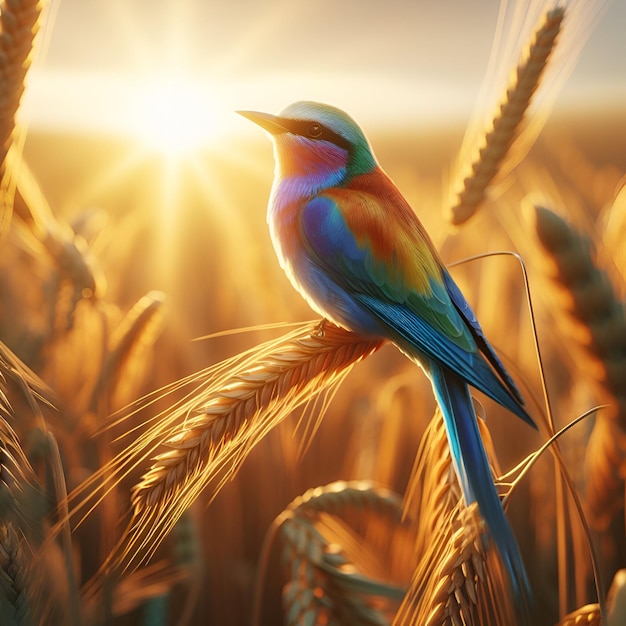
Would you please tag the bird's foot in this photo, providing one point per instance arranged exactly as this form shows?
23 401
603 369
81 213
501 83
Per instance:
319 331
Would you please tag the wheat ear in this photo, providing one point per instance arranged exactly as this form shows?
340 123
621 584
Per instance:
207 436
19 20
325 559
136 333
591 302
19 25
458 579
588 615
17 582
237 416
507 122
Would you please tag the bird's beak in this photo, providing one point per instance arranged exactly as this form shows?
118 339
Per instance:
270 123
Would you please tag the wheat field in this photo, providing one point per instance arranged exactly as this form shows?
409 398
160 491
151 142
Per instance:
294 472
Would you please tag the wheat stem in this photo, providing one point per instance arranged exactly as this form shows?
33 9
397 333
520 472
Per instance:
507 122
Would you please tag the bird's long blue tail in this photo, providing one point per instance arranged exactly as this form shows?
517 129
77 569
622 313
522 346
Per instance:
472 468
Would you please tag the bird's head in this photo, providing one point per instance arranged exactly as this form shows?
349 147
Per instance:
316 140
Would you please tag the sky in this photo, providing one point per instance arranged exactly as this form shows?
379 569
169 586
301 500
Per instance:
115 64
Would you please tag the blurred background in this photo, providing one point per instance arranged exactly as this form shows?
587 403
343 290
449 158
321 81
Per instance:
121 66
136 101
131 136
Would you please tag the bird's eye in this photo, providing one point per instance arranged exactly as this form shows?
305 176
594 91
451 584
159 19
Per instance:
315 130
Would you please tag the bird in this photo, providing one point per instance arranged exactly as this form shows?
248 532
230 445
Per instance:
357 252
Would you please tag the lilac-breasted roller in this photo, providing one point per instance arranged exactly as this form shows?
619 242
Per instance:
356 251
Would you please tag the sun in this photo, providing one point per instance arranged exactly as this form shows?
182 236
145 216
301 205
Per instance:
175 117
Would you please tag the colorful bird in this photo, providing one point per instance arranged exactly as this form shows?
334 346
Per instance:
356 251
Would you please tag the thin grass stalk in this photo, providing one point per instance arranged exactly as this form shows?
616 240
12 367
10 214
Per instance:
507 122
600 321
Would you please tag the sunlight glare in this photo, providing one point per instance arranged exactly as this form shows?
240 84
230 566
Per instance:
175 117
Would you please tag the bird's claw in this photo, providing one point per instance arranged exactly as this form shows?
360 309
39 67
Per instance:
319 331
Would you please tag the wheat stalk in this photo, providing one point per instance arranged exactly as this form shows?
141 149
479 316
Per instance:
507 122
600 317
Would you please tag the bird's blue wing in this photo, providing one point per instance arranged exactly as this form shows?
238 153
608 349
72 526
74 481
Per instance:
348 243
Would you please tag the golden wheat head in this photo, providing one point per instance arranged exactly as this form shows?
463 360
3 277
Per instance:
458 578
507 122
201 442
599 315
334 576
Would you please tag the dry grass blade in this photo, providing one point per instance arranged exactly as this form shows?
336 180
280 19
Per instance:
458 579
600 331
208 435
506 124
334 578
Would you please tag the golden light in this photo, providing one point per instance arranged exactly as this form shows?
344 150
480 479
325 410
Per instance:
175 117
